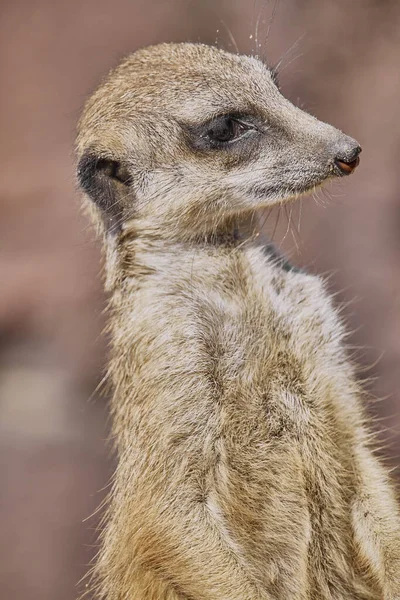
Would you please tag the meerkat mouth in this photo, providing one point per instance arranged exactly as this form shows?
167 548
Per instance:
340 167
275 195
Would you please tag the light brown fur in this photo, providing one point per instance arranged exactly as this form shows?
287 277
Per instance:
244 467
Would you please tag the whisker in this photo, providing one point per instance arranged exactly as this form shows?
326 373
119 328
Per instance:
231 36
285 54
288 216
281 69
270 22
276 222
256 33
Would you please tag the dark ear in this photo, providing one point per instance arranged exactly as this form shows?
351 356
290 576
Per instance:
106 182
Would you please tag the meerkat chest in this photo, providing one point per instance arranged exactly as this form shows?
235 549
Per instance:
273 343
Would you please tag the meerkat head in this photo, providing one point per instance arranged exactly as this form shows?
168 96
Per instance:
183 137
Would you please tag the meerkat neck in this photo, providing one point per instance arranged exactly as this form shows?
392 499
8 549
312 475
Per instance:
231 230
140 238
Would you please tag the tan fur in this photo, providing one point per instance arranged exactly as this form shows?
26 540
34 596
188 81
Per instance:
244 468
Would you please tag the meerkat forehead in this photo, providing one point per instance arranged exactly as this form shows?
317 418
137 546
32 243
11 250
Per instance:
190 80
187 82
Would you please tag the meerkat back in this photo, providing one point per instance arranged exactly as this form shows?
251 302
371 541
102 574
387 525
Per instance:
244 466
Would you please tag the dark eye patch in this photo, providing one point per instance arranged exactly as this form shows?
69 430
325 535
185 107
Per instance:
222 132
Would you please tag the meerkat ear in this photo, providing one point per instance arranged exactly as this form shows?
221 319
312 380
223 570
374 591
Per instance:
106 182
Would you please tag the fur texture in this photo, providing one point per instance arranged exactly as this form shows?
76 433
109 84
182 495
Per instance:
244 467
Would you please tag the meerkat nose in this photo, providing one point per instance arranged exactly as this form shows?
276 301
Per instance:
346 163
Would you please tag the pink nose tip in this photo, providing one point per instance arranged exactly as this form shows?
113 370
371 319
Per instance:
347 162
347 167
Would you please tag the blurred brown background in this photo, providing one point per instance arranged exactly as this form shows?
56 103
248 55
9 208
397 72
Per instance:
54 458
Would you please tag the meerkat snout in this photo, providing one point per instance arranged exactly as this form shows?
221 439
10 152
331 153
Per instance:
187 135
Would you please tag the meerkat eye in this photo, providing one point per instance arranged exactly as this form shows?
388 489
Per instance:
221 132
226 129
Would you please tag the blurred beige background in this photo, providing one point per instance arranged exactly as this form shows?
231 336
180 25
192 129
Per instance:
55 464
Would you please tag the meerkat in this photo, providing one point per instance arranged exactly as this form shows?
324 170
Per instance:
244 462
